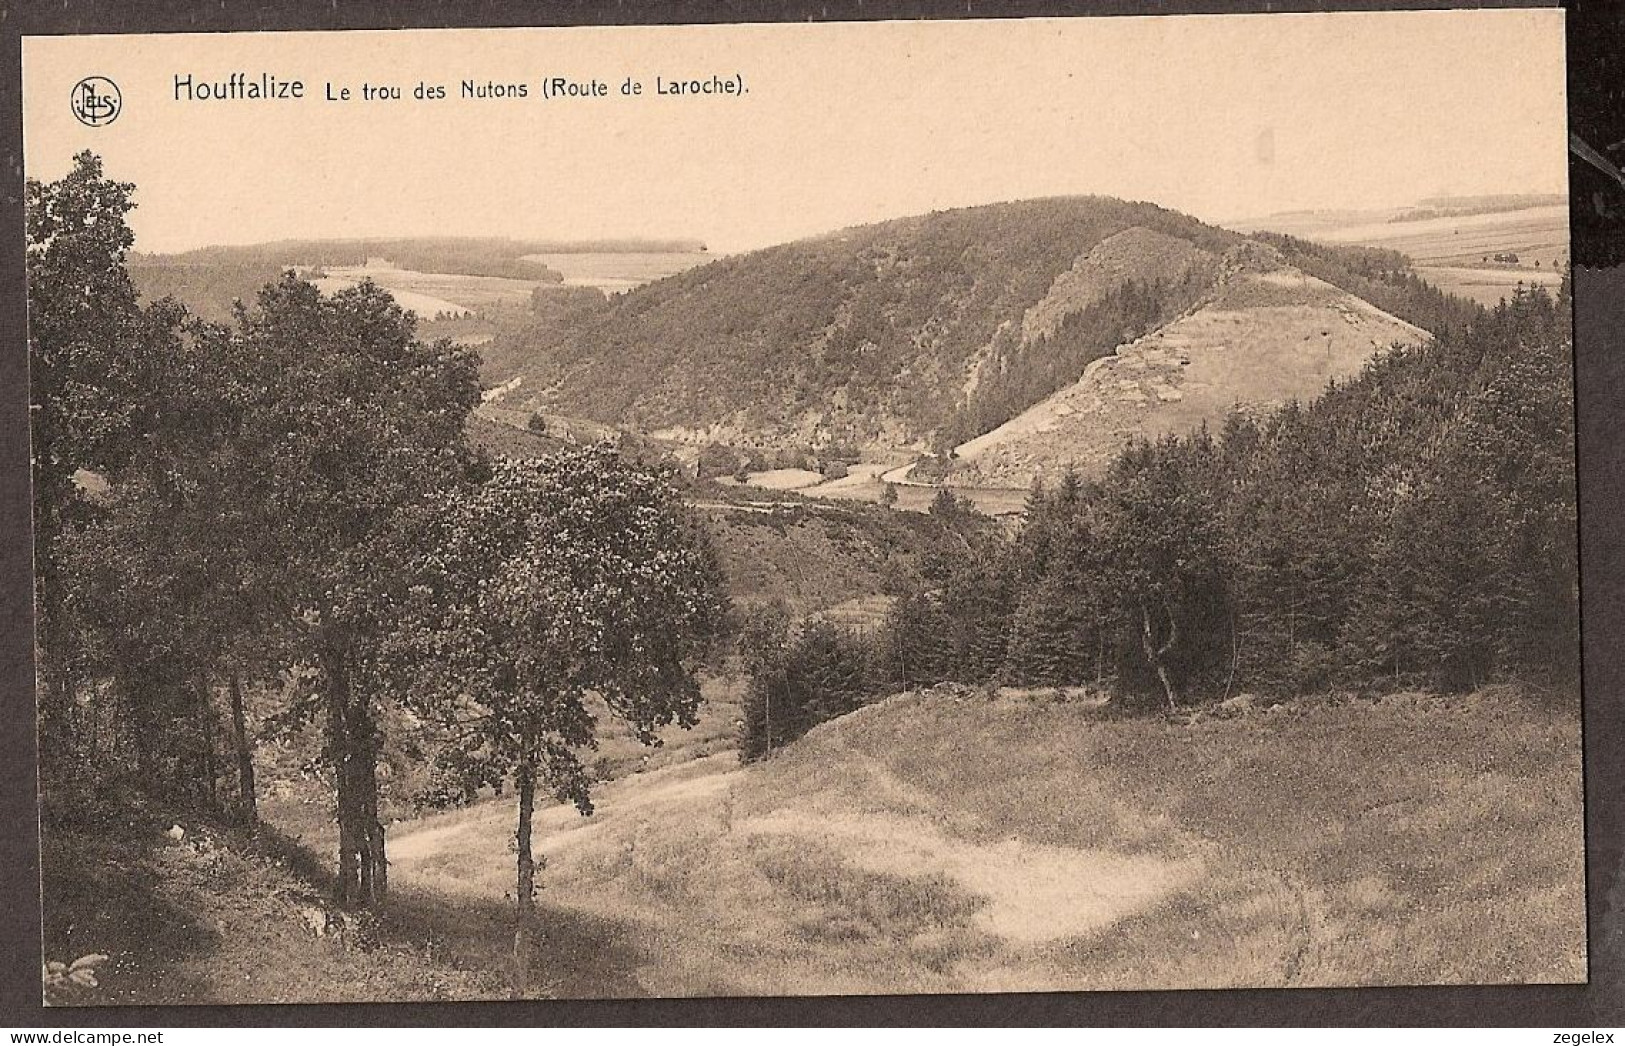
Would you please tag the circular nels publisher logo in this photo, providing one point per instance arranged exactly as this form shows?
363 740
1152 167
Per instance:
96 101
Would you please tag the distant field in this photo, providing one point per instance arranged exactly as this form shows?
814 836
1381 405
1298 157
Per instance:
863 482
785 479
1485 285
1451 253
1536 233
950 842
428 293
1454 253
424 305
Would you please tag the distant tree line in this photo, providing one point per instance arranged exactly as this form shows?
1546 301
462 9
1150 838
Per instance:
1414 527
464 256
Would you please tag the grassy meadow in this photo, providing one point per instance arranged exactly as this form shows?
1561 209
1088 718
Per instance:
959 840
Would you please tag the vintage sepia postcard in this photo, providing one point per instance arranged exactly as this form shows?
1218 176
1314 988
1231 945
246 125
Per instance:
1047 504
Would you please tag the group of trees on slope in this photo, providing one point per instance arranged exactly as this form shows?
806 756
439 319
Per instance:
287 505
1412 527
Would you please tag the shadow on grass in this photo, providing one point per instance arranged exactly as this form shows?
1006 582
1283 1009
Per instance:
575 956
298 857
103 893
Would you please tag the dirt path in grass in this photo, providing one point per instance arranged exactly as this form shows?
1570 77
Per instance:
693 782
1029 893
697 867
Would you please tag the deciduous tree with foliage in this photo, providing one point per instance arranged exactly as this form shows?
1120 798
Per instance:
551 580
344 425
87 335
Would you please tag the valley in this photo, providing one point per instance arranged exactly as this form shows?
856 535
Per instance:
557 529
859 360
880 374
981 788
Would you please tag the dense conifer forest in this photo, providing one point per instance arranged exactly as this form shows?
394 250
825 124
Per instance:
1412 528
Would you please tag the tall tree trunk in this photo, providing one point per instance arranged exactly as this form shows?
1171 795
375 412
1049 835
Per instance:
247 802
352 737
347 884
525 888
203 708
144 728
374 866
55 690
1157 654
361 834
1235 655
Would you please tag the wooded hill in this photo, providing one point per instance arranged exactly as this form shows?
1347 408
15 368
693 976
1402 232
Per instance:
874 335
927 332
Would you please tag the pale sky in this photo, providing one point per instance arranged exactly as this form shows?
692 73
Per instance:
1223 117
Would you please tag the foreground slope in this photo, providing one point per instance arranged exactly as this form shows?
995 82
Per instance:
217 917
947 841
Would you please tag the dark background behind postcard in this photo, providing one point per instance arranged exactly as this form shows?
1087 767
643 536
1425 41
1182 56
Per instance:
1596 38
1596 47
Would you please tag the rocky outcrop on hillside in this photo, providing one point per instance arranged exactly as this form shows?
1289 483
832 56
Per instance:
1267 335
